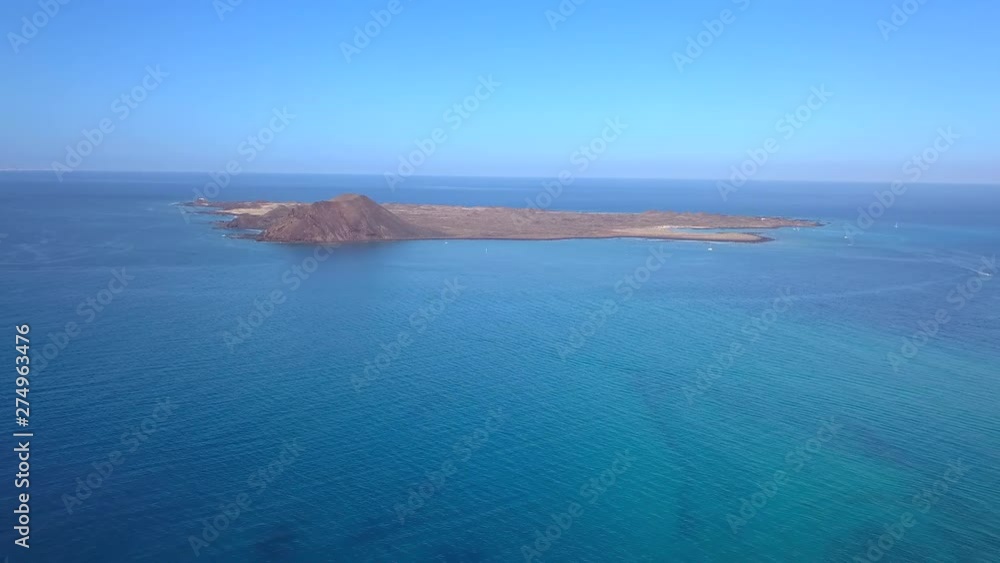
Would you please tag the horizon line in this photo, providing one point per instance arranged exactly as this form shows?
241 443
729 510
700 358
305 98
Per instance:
995 183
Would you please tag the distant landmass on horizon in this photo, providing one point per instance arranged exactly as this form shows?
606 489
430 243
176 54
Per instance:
357 218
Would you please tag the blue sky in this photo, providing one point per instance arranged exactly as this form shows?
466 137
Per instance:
559 80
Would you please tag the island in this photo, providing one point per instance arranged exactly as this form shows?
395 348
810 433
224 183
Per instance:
357 218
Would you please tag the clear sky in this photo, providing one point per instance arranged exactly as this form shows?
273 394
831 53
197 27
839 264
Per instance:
560 79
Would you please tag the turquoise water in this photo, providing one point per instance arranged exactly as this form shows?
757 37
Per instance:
443 401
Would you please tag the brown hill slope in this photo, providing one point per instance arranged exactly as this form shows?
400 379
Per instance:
350 217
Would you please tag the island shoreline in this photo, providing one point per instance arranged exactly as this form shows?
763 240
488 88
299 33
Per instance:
354 218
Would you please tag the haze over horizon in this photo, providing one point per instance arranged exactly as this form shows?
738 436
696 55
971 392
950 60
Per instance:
356 102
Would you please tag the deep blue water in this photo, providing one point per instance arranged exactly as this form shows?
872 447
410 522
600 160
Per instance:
534 376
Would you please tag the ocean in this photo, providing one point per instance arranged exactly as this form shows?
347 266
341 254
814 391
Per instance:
829 396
